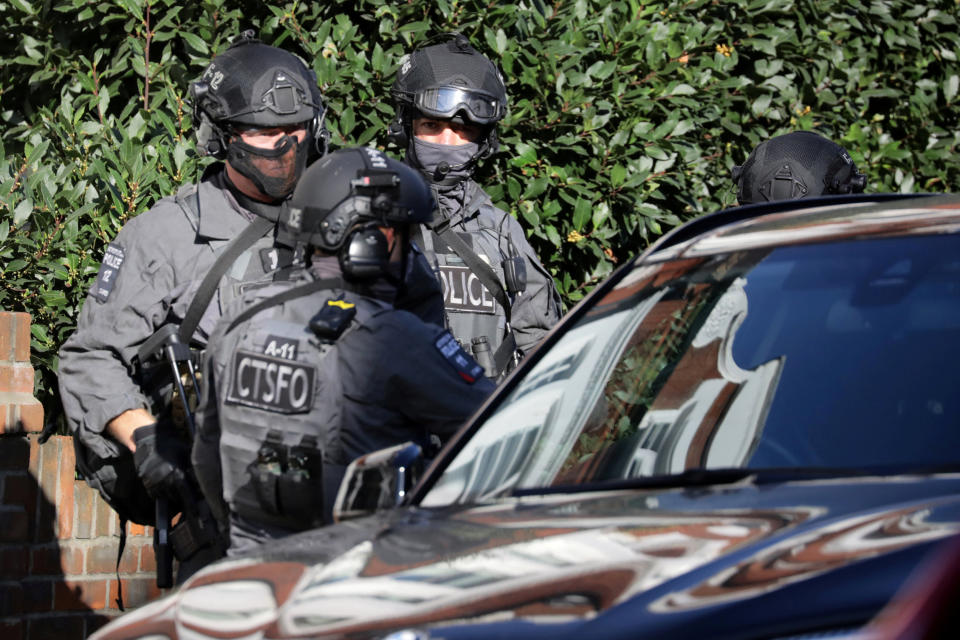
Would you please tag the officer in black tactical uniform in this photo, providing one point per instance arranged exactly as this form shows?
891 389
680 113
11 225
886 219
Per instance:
305 375
796 165
258 108
499 299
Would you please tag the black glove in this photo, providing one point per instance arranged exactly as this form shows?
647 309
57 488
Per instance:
161 460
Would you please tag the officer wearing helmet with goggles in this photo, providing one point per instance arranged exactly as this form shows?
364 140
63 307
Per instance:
258 110
499 300
297 384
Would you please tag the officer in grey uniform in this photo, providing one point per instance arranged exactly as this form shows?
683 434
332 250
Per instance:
796 165
305 375
259 109
499 299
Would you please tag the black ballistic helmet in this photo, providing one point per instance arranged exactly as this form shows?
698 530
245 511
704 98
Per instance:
450 80
344 197
794 166
253 84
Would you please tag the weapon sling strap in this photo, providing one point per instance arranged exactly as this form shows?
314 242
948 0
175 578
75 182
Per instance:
488 277
285 296
253 232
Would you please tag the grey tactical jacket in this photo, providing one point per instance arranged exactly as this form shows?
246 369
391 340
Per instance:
388 377
471 309
146 270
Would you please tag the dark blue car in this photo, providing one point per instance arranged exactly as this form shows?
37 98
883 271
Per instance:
750 431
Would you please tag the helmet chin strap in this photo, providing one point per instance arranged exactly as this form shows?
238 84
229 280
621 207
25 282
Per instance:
245 158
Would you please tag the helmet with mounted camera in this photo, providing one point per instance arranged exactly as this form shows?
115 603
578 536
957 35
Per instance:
794 166
346 196
252 84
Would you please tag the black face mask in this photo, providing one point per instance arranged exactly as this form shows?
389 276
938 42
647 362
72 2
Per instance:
275 172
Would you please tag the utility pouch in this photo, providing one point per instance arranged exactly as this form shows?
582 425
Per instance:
265 473
300 487
515 275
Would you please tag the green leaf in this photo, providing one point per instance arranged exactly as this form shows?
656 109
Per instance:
196 42
22 211
581 214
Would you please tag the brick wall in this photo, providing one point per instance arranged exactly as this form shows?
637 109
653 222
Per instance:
58 538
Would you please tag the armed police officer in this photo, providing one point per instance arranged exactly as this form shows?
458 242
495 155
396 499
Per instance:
499 300
305 375
796 165
259 110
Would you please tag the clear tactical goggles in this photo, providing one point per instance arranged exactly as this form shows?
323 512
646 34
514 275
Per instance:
445 102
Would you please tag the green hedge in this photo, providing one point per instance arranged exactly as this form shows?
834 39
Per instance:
625 118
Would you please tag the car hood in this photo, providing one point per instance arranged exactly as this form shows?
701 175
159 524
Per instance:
566 558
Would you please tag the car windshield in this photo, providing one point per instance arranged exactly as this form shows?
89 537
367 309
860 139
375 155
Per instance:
820 355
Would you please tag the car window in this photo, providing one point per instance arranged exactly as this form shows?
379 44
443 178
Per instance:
824 355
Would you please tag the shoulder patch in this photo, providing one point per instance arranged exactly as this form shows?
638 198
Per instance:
462 363
271 384
109 270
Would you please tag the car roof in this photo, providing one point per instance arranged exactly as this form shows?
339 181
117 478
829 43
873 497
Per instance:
820 220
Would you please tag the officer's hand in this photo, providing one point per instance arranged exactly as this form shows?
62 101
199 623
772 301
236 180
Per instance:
161 461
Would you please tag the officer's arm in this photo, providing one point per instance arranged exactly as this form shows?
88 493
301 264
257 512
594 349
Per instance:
124 307
435 384
538 308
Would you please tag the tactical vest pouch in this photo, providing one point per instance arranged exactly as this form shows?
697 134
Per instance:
265 473
300 488
515 275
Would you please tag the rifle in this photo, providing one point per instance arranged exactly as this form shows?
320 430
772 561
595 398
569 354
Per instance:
197 528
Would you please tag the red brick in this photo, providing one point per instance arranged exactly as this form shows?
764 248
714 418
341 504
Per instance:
11 599
53 559
107 520
11 629
38 595
16 525
7 335
14 563
21 341
77 595
134 529
58 627
148 558
85 499
46 511
136 591
34 455
31 417
20 490
16 377
14 453
65 492
130 563
102 557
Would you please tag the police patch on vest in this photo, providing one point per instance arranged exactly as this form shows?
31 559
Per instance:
109 270
463 291
464 365
271 384
280 347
